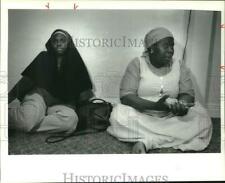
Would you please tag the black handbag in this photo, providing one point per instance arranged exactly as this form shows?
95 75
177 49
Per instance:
93 117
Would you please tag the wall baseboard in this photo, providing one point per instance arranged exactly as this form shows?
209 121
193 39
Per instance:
214 110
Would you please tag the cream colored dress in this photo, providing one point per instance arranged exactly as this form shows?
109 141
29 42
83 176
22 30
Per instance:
190 132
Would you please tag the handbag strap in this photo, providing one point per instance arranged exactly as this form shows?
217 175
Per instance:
94 100
61 137
97 99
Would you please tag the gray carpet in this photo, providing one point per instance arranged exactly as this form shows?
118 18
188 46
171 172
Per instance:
98 143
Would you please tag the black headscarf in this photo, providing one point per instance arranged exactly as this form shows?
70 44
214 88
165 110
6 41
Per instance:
73 78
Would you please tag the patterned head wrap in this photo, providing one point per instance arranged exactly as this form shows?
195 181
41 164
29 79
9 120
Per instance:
156 35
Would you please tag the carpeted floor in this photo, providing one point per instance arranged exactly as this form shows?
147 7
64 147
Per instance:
99 143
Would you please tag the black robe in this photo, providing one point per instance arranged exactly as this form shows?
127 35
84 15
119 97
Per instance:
65 85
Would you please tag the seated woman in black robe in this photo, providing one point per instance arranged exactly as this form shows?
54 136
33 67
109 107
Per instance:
51 88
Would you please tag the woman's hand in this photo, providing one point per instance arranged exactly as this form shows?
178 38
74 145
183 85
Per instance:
186 99
179 109
85 96
23 86
71 106
48 98
161 105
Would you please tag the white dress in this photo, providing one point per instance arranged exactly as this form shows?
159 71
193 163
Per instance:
190 132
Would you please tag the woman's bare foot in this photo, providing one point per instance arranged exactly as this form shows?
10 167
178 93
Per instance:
139 148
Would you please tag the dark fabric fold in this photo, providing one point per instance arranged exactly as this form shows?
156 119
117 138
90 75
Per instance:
67 84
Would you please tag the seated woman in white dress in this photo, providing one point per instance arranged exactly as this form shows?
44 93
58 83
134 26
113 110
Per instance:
158 107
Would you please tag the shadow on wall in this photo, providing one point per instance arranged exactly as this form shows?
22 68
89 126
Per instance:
198 95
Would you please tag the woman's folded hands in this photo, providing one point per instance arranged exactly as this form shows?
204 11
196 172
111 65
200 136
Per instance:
177 107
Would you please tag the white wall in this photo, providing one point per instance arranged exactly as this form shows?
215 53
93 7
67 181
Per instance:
203 57
213 95
197 52
30 29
